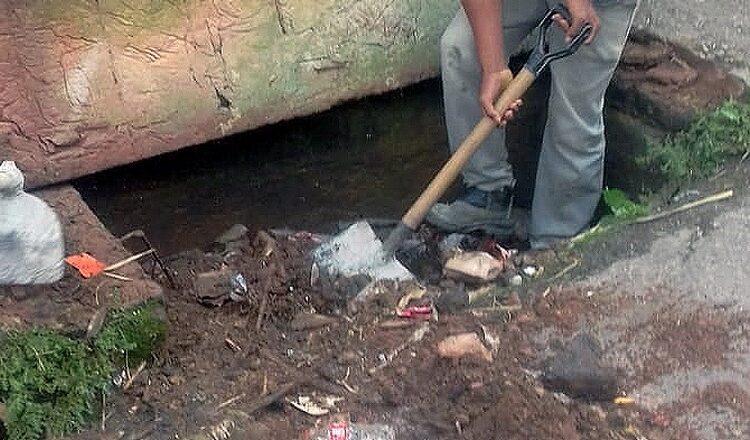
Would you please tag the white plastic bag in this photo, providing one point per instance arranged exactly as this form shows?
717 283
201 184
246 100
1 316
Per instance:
31 241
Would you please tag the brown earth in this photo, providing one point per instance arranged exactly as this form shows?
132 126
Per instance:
668 84
218 365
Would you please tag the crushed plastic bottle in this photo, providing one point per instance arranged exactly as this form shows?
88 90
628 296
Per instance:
32 247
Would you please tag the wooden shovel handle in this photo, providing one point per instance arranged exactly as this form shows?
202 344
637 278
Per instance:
452 168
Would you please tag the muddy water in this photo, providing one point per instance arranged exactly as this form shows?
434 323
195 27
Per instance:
368 158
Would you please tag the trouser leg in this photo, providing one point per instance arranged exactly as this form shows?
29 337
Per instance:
488 169
571 164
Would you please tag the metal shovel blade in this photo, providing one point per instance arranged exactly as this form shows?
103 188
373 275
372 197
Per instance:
357 251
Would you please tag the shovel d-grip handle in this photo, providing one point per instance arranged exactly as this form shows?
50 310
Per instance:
538 61
541 56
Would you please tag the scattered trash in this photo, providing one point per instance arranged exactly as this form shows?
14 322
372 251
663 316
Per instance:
89 267
239 288
31 240
311 321
345 430
516 280
473 267
464 345
623 400
338 431
85 264
417 312
493 248
315 406
533 271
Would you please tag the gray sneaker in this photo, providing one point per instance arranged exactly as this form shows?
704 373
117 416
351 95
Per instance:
475 211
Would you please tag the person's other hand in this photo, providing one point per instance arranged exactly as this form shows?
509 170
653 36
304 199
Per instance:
493 84
582 12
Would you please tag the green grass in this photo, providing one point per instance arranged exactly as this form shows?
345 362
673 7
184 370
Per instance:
701 149
51 383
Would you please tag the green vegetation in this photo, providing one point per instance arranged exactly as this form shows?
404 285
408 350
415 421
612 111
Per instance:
700 150
51 383
621 207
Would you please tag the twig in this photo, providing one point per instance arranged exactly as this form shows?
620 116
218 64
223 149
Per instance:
38 358
116 277
744 157
565 270
128 260
233 345
711 199
138 371
104 411
264 391
230 401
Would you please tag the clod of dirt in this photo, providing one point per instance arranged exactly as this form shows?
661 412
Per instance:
212 288
231 238
311 321
452 299
579 372
464 345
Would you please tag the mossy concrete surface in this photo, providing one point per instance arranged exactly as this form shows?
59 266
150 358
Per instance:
91 85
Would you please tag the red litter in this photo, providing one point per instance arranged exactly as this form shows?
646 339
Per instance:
423 312
338 431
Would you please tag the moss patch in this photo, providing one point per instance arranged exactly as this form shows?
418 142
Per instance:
50 383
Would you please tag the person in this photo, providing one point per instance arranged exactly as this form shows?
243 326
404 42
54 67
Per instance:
474 58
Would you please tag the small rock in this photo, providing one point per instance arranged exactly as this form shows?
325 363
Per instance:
311 321
177 379
464 345
213 287
235 233
452 300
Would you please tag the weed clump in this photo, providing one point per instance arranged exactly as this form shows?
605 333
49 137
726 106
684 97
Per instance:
702 148
50 383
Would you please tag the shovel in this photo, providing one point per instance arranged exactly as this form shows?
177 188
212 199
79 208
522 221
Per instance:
357 250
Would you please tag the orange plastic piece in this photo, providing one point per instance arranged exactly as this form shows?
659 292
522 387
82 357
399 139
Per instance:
86 265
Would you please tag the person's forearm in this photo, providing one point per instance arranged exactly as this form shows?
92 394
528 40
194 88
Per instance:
485 17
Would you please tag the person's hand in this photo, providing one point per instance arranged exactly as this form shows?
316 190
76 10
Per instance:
582 12
493 84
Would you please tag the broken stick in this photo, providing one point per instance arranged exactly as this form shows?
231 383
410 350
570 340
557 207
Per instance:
128 260
711 199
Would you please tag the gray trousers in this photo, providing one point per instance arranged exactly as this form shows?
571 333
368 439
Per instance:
571 165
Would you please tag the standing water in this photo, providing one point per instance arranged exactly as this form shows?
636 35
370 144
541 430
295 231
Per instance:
368 158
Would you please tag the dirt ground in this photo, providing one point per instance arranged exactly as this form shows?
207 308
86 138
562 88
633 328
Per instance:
676 351
220 363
